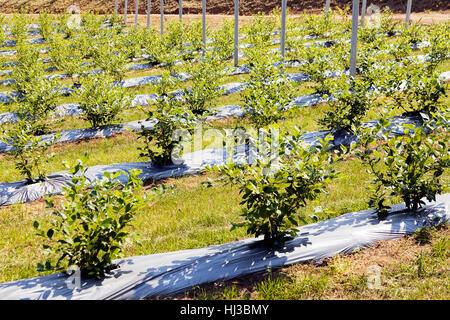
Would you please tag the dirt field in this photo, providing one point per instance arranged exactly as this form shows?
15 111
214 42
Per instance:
215 7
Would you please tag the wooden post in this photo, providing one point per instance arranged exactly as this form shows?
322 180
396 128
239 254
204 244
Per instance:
162 17
236 33
283 28
136 14
149 7
363 11
408 12
115 6
354 40
125 12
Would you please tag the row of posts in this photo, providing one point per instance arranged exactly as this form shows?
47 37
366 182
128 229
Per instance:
354 38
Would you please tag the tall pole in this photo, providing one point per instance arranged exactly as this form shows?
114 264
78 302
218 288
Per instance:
363 11
354 41
162 17
180 9
136 14
408 12
125 12
149 7
236 33
116 4
283 28
327 7
204 24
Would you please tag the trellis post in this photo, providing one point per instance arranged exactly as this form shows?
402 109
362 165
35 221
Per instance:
136 15
327 7
204 25
283 28
354 40
162 17
149 6
363 11
125 12
236 33
408 12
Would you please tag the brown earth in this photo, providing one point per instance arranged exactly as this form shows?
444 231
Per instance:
213 6
387 255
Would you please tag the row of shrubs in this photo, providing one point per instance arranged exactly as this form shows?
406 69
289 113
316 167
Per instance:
91 224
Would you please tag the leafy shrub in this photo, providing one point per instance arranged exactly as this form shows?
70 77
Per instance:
193 34
408 166
28 151
367 34
400 49
439 48
173 35
318 64
68 57
159 142
222 39
387 22
343 24
46 24
274 186
2 34
259 31
101 100
19 27
372 67
413 33
64 26
92 23
38 93
112 62
205 78
317 25
418 90
267 94
351 104
154 45
116 22
92 222
129 42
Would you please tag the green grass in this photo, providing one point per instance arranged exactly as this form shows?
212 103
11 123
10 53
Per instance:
192 216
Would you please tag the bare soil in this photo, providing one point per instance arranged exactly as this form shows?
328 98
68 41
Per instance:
215 7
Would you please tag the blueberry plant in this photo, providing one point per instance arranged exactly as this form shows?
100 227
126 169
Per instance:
30 152
267 94
46 25
37 93
259 31
69 56
276 184
318 64
102 99
170 116
205 78
92 223
222 41
417 89
407 165
352 100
